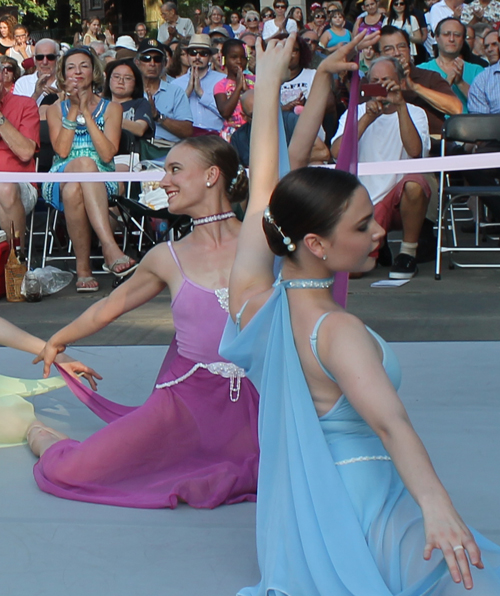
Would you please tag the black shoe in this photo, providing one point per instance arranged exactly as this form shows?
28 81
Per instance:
405 267
384 255
426 250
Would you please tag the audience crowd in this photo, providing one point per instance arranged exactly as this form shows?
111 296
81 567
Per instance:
192 77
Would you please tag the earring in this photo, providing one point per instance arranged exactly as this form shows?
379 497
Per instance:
208 185
324 257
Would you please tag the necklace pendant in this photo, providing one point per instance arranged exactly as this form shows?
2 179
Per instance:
80 119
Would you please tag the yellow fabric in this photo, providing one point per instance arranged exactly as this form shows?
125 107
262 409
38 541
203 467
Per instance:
16 414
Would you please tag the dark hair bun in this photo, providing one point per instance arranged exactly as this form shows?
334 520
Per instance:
307 201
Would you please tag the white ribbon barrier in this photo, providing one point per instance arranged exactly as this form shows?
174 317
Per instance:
452 163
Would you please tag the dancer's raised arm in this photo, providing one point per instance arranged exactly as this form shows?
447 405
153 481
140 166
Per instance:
313 113
252 272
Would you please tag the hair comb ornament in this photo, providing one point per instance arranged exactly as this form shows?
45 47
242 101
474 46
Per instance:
286 239
240 171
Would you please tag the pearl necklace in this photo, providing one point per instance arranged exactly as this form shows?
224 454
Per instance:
211 218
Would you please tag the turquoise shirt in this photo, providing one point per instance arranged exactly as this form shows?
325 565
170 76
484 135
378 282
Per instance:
470 73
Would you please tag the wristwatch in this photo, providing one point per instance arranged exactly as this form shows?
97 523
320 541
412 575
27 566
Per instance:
2 119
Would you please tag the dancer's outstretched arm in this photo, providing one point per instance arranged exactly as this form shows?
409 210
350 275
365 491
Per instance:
313 113
13 337
143 285
252 272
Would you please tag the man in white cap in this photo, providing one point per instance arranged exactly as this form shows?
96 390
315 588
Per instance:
125 47
199 83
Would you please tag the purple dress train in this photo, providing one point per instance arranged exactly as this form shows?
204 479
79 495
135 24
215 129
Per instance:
194 439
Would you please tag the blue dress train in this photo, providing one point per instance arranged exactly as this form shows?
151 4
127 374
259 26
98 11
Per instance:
333 515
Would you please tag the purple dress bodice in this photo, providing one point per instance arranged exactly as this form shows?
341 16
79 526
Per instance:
200 315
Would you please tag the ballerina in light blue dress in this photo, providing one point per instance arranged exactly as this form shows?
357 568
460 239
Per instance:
348 502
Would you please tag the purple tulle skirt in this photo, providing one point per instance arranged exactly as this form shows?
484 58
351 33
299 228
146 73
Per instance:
187 442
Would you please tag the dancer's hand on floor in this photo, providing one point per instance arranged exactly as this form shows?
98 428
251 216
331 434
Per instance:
78 369
445 530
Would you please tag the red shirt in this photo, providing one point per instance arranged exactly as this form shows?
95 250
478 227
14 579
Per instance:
22 113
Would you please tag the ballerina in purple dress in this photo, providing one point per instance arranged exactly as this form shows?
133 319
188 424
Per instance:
195 438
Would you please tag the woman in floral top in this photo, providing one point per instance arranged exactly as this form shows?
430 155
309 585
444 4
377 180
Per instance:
228 91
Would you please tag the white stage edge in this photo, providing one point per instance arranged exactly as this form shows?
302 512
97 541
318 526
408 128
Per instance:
53 547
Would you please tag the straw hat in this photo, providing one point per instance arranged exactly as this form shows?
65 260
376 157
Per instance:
201 41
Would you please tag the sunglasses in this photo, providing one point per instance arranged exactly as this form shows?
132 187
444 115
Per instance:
320 16
252 20
8 68
157 59
202 53
269 15
399 3
280 6
40 57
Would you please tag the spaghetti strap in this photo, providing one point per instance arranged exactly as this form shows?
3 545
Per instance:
313 340
176 259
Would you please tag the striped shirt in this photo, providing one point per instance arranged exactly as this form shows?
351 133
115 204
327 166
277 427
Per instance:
484 93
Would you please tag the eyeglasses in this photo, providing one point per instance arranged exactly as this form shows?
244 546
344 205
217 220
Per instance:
157 59
8 68
122 79
20 36
202 53
50 57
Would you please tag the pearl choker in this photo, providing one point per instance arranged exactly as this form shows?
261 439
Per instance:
211 218
308 283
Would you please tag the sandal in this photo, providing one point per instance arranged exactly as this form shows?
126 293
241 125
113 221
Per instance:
82 285
125 260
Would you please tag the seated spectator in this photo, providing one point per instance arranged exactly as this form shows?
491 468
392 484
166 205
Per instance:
481 11
366 57
480 31
85 134
107 57
217 40
7 40
123 84
236 24
227 91
140 32
99 47
423 88
442 10
266 14
21 50
43 81
280 24
198 84
470 41
252 23
295 90
393 130
450 37
337 35
371 20
491 47
400 16
179 64
250 39
318 23
19 140
312 40
174 26
216 20
10 71
169 105
125 47
297 15
484 98
240 139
